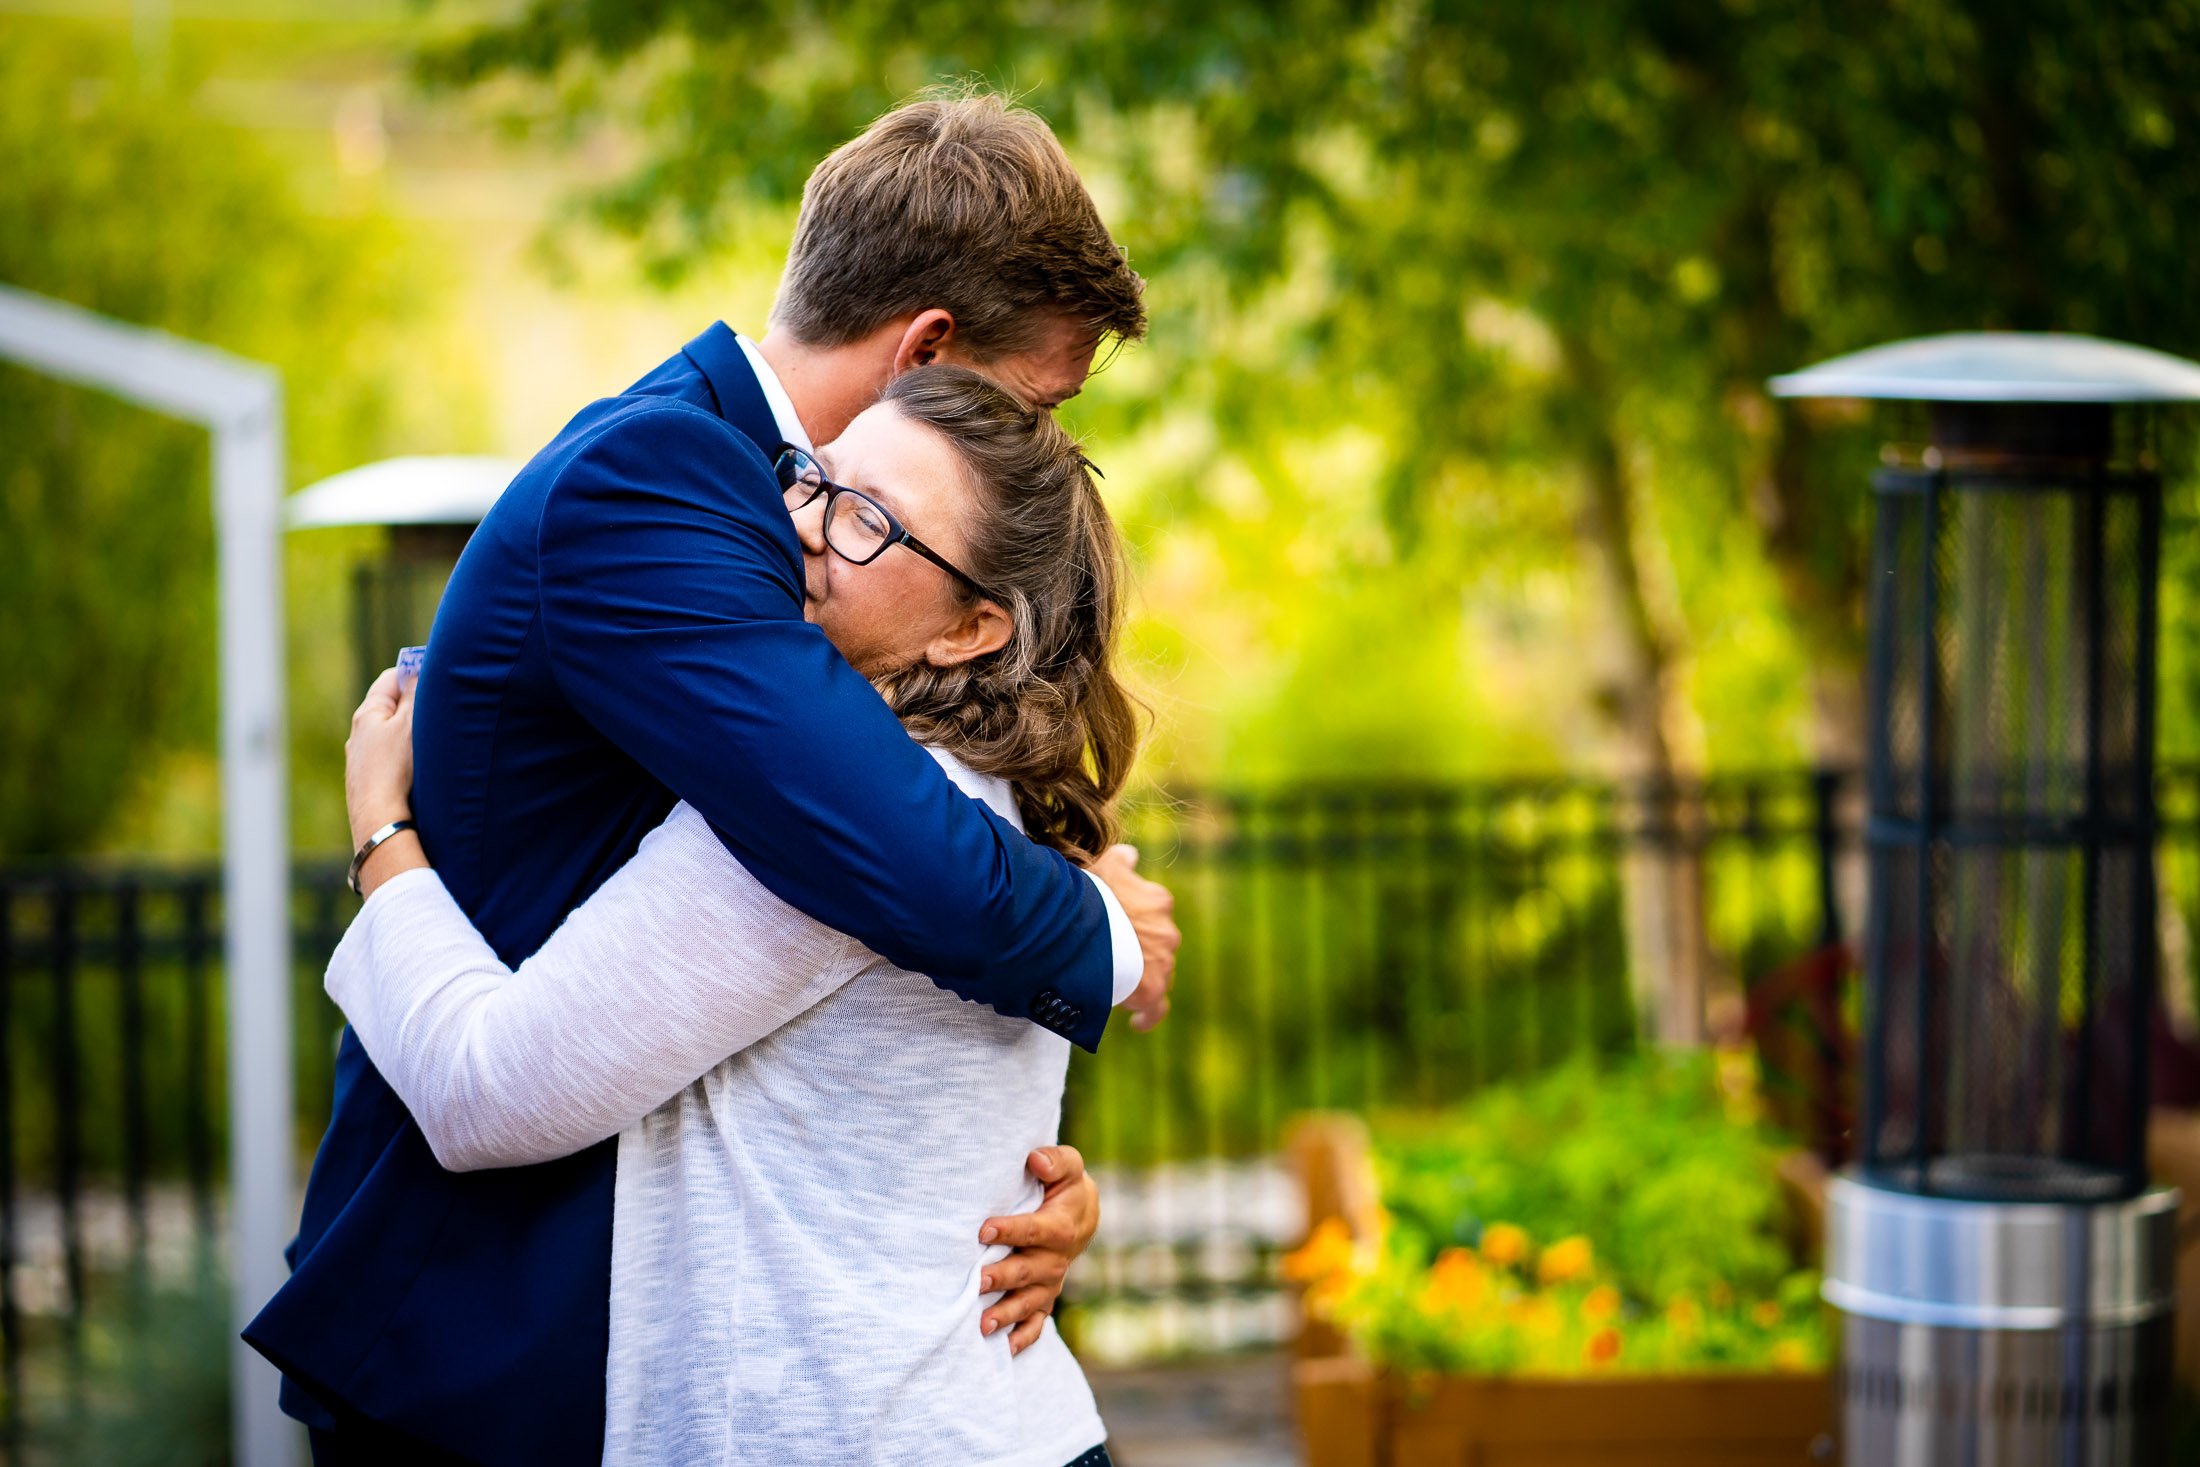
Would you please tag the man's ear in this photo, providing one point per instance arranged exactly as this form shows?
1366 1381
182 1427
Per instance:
921 340
984 628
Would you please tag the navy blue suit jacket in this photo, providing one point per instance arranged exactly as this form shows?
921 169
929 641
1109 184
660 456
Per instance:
625 629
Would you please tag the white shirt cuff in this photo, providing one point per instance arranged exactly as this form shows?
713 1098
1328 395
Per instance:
1130 959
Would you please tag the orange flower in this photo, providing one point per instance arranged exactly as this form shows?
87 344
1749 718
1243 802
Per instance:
1790 1355
1325 1294
1326 1253
1683 1314
1537 1316
1600 1304
1603 1347
1566 1260
1455 1282
1766 1313
1504 1245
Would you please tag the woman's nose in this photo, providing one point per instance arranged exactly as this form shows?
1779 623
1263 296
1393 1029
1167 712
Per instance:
809 526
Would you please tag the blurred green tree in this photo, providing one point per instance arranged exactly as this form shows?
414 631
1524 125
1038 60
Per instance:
123 199
1677 197
1546 253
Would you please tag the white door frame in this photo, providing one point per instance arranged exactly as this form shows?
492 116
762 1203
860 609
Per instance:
240 404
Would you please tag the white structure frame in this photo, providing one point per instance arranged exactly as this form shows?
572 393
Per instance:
240 404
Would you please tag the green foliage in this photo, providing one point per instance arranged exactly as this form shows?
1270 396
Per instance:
125 200
154 1383
1628 1218
1669 1176
162 1389
1511 248
2184 1425
1420 275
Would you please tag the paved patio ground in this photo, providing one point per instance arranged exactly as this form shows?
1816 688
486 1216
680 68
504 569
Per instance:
1229 1413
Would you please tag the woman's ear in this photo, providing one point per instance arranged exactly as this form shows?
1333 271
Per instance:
982 629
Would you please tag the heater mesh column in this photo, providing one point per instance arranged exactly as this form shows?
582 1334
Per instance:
2010 946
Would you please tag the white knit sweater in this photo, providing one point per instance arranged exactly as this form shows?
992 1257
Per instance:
795 1250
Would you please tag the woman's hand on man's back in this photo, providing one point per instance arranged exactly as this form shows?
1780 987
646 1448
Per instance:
378 765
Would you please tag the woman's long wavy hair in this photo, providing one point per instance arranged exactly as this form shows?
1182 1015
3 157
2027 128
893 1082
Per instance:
1045 712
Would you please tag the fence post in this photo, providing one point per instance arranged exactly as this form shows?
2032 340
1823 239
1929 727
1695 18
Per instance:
63 1058
11 1333
1824 1002
135 1143
198 1144
1825 787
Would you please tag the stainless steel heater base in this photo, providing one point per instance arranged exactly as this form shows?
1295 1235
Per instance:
1983 1334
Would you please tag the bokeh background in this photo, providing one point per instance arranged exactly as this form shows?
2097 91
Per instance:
1450 454
1459 512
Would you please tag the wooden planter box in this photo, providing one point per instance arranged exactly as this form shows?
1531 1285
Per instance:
1351 1415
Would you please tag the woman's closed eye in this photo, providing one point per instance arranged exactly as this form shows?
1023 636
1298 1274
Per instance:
864 517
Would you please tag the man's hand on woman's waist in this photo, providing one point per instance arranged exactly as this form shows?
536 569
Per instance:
1047 1240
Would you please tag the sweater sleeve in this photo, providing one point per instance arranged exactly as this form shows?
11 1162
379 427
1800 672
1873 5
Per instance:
677 961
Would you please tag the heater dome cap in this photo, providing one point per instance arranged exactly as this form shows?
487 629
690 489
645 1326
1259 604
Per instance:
2001 366
445 489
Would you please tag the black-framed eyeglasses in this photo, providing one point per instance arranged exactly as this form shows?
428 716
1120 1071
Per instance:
857 527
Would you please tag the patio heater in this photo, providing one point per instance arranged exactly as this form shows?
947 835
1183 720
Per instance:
2005 1273
431 506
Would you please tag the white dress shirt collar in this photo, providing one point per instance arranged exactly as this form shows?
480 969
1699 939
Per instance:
782 406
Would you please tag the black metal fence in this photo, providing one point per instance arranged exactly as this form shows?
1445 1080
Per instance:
1357 947
1374 947
113 1125
1369 948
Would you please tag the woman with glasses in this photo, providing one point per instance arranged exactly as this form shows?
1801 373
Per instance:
785 1100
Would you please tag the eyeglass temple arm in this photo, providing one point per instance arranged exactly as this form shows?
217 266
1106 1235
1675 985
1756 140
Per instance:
905 538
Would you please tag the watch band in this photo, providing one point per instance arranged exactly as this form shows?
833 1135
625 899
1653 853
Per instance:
359 858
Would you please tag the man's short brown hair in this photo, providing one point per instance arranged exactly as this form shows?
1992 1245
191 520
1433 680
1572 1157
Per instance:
966 204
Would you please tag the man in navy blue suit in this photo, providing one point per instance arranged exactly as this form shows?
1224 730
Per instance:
625 630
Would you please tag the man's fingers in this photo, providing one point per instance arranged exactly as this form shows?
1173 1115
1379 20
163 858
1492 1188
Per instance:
1026 1334
1145 1017
1041 1229
1128 852
1069 1196
1023 1306
1052 1164
1029 1279
1022 1270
